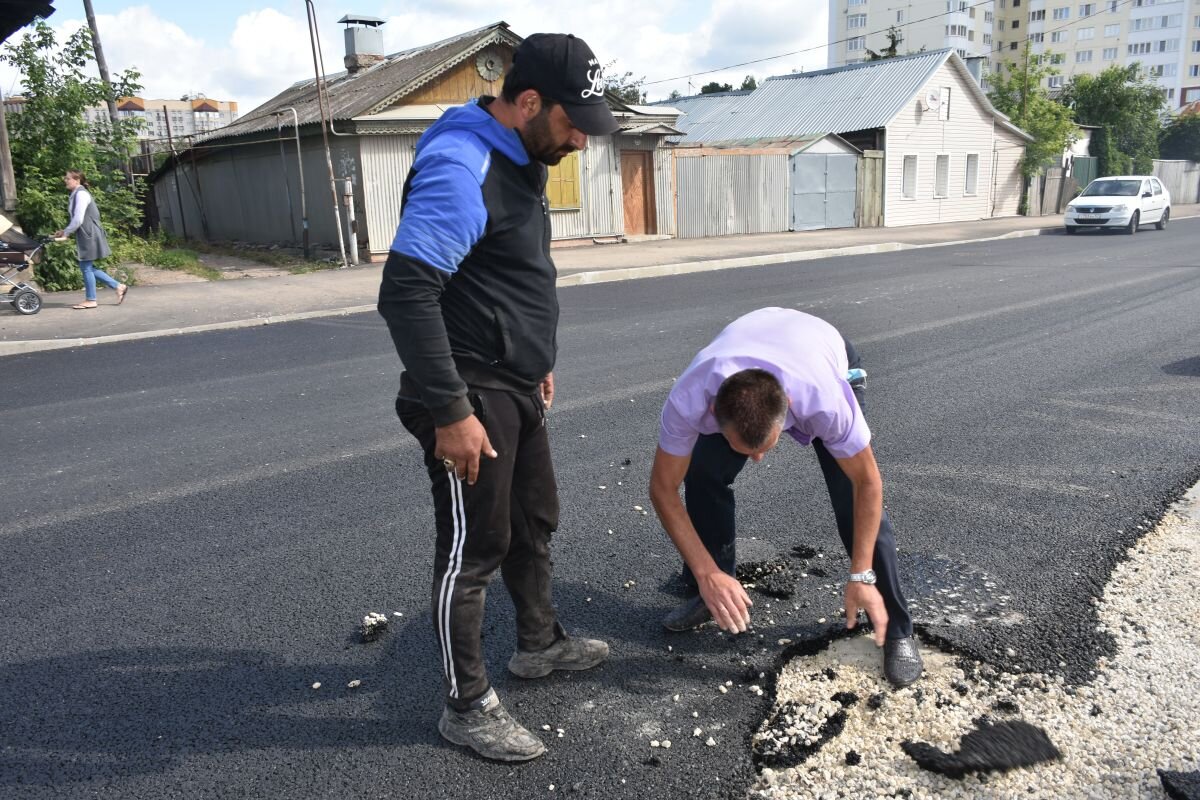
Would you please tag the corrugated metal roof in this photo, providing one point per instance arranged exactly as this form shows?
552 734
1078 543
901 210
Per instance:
841 100
350 96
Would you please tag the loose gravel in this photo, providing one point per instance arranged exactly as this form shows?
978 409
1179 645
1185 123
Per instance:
1136 717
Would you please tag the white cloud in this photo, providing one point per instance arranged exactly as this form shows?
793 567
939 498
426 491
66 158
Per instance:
267 49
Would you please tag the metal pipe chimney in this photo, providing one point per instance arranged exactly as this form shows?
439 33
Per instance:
364 42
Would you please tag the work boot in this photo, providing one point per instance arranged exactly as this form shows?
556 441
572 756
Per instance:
566 653
691 614
490 731
902 661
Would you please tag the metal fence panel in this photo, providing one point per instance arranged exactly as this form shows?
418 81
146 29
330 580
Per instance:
1182 179
723 195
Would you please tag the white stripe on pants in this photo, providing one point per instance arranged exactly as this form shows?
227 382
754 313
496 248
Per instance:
453 567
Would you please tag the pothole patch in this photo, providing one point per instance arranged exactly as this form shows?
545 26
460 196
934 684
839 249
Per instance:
1115 735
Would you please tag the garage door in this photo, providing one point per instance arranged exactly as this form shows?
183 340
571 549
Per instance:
823 191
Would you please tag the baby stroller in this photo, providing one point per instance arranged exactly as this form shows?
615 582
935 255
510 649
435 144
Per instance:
18 253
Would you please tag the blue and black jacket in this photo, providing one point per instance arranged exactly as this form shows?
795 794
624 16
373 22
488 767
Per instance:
468 288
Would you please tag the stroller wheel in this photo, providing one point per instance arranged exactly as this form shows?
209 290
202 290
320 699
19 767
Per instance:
27 301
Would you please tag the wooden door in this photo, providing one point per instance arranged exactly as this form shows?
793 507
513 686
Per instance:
637 179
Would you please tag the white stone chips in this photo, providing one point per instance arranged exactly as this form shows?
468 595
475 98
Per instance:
1137 716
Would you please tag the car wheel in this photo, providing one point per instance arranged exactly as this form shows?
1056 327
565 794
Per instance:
1132 227
1166 217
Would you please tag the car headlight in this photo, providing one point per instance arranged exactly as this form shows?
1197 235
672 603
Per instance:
1119 209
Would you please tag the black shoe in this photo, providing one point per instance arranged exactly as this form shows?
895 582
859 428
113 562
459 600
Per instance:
902 663
490 731
688 616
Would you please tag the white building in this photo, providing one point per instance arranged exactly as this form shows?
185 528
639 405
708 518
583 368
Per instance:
186 117
1078 36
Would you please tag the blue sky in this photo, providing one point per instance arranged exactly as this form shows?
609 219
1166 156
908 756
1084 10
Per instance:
248 50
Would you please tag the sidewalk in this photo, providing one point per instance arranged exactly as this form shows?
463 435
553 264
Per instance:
151 311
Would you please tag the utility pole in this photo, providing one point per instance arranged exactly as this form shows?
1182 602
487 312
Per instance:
8 183
101 63
109 95
178 171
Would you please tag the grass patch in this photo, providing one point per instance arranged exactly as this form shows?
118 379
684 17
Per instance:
312 266
183 260
273 258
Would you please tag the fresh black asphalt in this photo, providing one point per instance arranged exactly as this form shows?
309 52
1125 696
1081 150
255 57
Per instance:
192 527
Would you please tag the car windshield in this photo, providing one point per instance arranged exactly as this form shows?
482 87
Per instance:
1112 189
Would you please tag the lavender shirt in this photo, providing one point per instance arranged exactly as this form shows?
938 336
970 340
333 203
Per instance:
805 353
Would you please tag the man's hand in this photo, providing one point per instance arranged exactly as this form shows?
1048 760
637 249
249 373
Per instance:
463 443
547 388
727 600
867 597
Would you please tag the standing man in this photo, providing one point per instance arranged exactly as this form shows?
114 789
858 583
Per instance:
469 297
771 371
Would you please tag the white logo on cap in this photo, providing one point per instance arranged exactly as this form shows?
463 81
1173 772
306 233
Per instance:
596 77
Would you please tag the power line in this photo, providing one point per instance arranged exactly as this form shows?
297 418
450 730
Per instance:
820 46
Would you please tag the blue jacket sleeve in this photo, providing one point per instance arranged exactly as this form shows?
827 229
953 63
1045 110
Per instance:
443 217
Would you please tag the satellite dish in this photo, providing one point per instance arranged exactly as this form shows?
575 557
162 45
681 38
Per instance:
933 98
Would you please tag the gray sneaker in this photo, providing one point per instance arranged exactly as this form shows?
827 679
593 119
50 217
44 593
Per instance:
566 653
490 731
902 663
688 616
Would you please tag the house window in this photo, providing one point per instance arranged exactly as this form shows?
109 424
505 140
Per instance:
1083 56
1013 45
1112 6
941 177
856 43
1196 45
900 15
1058 58
1037 16
856 21
987 38
1055 81
1166 46
956 30
1087 9
1085 33
971 185
1110 53
1037 38
1058 36
562 183
1016 23
857 2
1138 48
1196 22
1194 71
1062 13
908 185
1112 30
987 17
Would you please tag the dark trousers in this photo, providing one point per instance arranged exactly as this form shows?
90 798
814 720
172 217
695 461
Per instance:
503 522
708 495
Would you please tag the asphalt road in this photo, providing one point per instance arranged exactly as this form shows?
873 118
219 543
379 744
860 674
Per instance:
192 527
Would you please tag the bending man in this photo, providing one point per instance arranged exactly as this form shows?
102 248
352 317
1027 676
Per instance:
771 371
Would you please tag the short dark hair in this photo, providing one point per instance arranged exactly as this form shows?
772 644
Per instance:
515 83
752 402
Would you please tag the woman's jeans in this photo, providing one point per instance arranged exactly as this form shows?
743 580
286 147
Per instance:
90 273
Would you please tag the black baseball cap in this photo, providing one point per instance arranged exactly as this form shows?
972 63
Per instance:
563 68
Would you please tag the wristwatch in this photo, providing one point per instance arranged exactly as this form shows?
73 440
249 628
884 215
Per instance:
867 577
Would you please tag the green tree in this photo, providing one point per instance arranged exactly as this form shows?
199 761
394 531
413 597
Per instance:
1181 139
1129 102
625 86
674 95
1017 91
714 87
50 135
749 83
895 37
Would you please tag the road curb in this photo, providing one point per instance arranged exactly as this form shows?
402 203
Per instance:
689 267
575 279
39 345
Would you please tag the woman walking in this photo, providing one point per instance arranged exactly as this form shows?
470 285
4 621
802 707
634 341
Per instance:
91 244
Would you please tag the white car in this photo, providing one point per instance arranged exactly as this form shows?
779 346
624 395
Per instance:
1120 201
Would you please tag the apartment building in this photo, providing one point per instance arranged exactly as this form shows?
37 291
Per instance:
856 26
1076 36
188 117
